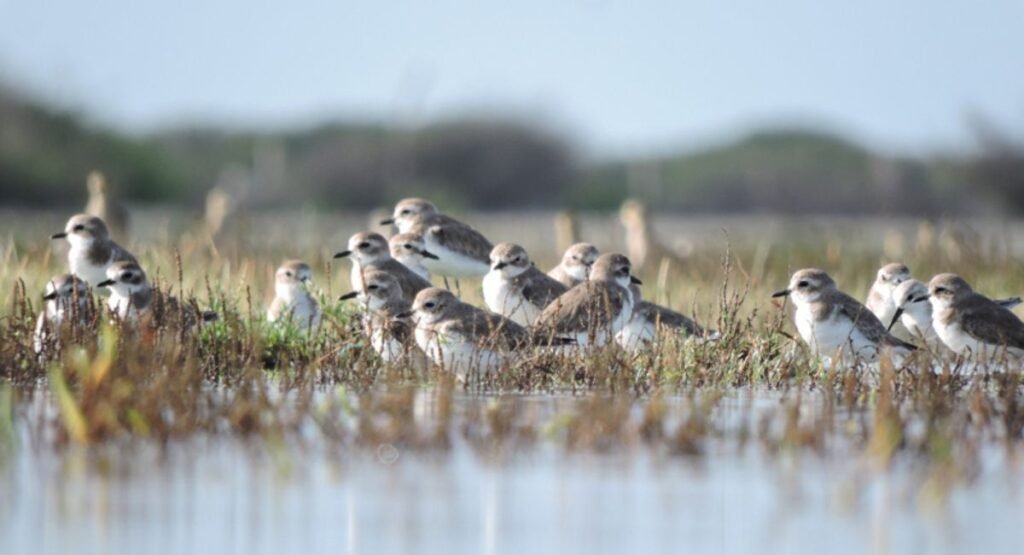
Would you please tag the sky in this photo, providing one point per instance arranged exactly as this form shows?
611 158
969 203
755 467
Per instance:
618 77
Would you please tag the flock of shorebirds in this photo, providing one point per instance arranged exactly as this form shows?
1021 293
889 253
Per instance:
588 300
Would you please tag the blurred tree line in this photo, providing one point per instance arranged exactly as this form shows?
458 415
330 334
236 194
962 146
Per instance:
45 154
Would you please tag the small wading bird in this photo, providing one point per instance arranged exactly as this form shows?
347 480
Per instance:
515 288
914 311
461 250
971 324
834 324
92 251
575 265
134 300
68 302
292 299
649 320
410 250
371 252
593 312
386 321
880 299
461 338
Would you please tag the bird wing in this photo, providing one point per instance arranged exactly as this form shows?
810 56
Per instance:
989 322
488 330
459 237
410 282
583 308
667 317
540 288
867 323
1011 302
121 254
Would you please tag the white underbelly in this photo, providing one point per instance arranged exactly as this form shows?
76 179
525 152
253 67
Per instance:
451 263
386 347
919 328
91 273
885 312
460 358
834 335
500 298
122 307
635 334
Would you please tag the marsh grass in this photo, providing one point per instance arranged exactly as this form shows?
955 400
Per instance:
755 387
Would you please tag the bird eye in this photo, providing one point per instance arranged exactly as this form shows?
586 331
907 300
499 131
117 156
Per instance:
364 245
289 274
428 305
408 247
802 284
373 287
940 289
405 212
79 227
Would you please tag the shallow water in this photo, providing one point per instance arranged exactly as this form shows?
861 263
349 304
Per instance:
225 496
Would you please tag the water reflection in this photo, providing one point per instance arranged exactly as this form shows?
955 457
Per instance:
227 497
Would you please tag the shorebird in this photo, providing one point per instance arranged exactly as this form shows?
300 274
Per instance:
461 338
92 251
103 206
575 265
880 300
67 301
650 319
915 312
370 251
515 288
133 299
409 249
834 324
386 320
970 323
592 312
461 250
292 299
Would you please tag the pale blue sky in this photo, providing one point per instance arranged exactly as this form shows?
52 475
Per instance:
618 76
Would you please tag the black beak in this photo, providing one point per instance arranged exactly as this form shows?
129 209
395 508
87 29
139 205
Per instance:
921 299
406 314
428 254
500 265
50 296
348 296
388 221
895 317
636 280
106 283
783 293
60 235
342 254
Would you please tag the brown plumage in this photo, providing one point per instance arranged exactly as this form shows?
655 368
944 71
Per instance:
958 306
595 310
